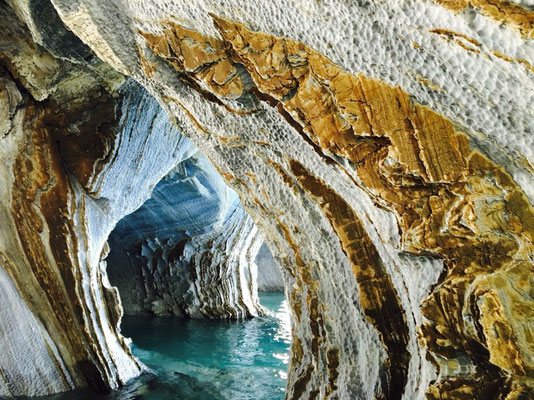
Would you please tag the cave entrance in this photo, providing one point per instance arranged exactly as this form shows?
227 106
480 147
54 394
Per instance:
203 298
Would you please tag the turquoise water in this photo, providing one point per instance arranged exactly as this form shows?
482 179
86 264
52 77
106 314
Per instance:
207 359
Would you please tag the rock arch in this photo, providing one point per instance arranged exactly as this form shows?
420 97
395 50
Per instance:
404 229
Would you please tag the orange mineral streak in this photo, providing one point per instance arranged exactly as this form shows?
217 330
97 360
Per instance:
200 57
378 296
42 198
343 113
522 61
475 46
62 141
450 201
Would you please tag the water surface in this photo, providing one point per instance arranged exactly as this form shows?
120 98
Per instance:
207 359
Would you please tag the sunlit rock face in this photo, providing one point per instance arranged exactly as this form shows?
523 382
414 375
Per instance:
384 150
189 250
269 273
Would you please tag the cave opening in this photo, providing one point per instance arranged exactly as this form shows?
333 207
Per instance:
181 276
203 298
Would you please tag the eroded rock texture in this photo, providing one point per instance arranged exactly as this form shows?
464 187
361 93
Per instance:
384 149
80 151
189 250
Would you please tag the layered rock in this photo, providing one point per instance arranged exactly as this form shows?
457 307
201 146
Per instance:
384 151
78 153
56 332
78 169
188 251
64 316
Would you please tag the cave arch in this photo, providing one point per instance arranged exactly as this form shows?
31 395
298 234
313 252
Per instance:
405 241
189 250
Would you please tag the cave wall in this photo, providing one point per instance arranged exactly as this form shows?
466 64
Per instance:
269 273
374 196
384 150
79 150
49 255
70 174
189 250
58 327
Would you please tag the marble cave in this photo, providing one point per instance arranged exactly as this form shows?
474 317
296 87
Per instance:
267 199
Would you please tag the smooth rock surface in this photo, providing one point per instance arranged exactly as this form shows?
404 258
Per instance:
269 274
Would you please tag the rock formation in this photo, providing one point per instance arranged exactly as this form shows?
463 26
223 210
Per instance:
383 149
269 273
80 150
188 251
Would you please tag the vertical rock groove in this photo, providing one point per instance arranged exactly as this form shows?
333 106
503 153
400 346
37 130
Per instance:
44 213
378 296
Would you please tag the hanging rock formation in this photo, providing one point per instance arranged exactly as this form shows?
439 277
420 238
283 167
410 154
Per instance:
383 149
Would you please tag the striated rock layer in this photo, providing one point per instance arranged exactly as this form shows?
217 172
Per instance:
384 150
79 151
67 314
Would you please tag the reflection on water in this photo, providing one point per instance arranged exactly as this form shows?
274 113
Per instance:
207 359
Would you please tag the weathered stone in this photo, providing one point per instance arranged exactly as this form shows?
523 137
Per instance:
383 150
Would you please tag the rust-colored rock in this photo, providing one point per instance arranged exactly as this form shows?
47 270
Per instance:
378 296
346 153
43 201
451 202
199 58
